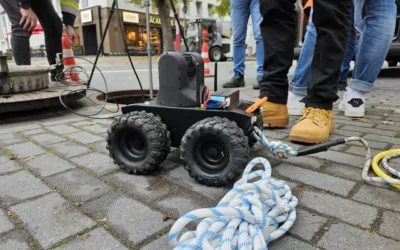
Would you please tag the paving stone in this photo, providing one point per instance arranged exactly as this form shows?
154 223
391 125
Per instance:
378 197
26 149
20 186
381 138
343 209
354 123
85 137
3 158
131 219
390 225
289 243
9 166
318 180
344 171
57 219
305 161
307 224
388 127
342 158
344 237
34 131
361 151
69 149
159 243
372 144
62 120
12 128
147 188
168 165
46 139
100 146
62 129
5 223
82 123
98 163
181 177
49 164
95 128
183 203
273 134
345 133
79 185
11 138
97 239
13 241
370 130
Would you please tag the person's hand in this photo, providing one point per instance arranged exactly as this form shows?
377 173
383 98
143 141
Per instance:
29 19
73 38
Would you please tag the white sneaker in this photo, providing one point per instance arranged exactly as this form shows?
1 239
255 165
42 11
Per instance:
294 105
353 108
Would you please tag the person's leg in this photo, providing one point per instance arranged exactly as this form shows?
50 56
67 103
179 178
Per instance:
52 26
374 44
350 54
278 29
302 73
256 19
20 37
332 19
240 13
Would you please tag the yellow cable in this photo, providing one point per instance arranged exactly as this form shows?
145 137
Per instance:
375 164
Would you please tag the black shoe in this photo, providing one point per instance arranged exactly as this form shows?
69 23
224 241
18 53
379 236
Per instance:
235 82
57 74
342 86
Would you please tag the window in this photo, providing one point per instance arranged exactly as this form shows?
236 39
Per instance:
199 8
210 7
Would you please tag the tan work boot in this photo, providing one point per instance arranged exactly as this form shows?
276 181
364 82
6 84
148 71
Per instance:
275 115
314 127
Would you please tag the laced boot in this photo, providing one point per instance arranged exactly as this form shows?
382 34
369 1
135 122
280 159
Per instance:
314 126
236 82
274 115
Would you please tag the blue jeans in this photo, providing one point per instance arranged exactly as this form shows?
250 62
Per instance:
376 33
241 10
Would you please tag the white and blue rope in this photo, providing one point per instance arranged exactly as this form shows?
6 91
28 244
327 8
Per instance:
258 210
277 148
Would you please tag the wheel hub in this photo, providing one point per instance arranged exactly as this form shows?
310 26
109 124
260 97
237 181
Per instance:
210 154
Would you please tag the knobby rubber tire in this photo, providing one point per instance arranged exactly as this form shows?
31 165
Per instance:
153 130
226 132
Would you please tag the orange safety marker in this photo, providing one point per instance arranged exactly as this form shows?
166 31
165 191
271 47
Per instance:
70 74
256 105
204 55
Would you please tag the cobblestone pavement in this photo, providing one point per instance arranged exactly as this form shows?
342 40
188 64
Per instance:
59 189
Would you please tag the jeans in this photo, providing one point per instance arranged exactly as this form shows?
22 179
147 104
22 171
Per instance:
302 73
50 22
376 33
241 10
332 19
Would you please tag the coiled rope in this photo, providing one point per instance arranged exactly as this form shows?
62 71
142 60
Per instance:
384 157
254 213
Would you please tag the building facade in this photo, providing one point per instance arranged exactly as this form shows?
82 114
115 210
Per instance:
94 14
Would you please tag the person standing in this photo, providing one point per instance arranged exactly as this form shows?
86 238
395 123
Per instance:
332 19
376 23
241 10
24 15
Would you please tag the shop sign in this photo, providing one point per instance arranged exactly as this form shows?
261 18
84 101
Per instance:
130 17
157 20
86 16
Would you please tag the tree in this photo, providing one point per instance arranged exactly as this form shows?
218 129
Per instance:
223 9
163 7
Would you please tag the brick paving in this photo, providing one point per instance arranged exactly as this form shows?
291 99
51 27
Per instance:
60 190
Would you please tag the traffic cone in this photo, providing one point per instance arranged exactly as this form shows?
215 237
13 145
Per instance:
71 74
204 54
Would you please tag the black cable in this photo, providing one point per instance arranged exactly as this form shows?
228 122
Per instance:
126 47
72 71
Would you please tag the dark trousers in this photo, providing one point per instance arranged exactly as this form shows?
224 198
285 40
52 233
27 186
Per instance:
50 22
332 19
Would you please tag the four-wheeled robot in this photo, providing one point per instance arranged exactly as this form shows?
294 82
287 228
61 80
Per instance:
212 130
